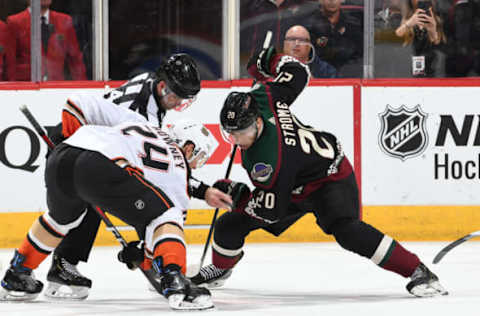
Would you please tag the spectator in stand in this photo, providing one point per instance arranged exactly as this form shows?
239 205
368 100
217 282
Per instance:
7 56
259 16
337 38
297 44
59 45
422 27
463 39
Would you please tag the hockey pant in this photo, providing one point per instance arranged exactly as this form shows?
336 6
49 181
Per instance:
77 178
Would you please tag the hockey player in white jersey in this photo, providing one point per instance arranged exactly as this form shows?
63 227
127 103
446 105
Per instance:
134 171
144 98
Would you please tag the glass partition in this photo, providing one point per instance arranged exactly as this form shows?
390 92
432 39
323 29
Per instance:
143 33
81 15
412 38
427 38
333 46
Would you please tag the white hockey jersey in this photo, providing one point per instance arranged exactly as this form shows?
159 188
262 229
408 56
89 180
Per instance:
134 101
145 147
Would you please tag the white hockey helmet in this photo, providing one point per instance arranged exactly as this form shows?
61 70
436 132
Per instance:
187 130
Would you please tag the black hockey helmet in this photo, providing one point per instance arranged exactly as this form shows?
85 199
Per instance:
239 111
181 75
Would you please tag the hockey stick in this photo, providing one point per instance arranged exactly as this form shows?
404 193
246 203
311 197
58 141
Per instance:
193 269
454 244
148 274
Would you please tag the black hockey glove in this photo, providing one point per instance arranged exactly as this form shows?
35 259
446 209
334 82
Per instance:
132 255
260 63
239 192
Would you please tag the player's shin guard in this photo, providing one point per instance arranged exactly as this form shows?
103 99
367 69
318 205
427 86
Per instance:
391 256
172 250
34 251
19 283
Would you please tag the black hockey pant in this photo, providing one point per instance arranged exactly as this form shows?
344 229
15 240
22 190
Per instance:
77 178
336 208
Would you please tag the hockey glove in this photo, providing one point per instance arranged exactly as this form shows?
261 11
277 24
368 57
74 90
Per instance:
132 255
239 192
259 64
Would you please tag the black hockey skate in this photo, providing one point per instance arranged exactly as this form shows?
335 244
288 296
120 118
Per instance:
65 282
425 283
181 293
19 283
211 277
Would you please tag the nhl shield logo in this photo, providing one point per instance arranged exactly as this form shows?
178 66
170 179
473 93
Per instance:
403 134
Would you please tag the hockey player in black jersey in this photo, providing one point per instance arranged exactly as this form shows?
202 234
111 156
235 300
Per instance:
295 169
145 98
119 170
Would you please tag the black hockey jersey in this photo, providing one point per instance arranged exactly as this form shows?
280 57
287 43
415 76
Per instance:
289 160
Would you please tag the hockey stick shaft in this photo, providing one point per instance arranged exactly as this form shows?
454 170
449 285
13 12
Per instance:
212 225
266 44
454 244
103 216
40 131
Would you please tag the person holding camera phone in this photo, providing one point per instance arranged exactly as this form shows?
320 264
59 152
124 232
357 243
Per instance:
422 27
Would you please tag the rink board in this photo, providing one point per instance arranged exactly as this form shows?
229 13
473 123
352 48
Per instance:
428 191
429 223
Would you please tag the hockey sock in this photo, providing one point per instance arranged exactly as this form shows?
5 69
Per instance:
34 251
224 258
391 256
172 251
146 264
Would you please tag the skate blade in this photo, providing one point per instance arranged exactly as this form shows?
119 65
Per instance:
57 291
202 302
16 296
429 290
213 284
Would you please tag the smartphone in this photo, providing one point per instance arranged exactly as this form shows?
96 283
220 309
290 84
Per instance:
424 5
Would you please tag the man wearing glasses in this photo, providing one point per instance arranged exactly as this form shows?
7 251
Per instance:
297 44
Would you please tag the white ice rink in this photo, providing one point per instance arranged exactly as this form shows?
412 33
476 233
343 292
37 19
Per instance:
279 279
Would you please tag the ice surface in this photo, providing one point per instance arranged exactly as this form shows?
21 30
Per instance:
279 279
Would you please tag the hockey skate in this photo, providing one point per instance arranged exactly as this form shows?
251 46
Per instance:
425 283
182 294
65 282
19 283
211 277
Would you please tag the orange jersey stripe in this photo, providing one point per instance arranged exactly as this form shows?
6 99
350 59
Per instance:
76 108
70 124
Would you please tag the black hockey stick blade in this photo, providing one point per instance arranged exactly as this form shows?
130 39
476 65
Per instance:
454 244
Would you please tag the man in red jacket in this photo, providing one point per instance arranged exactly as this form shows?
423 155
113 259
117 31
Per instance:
7 55
59 45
